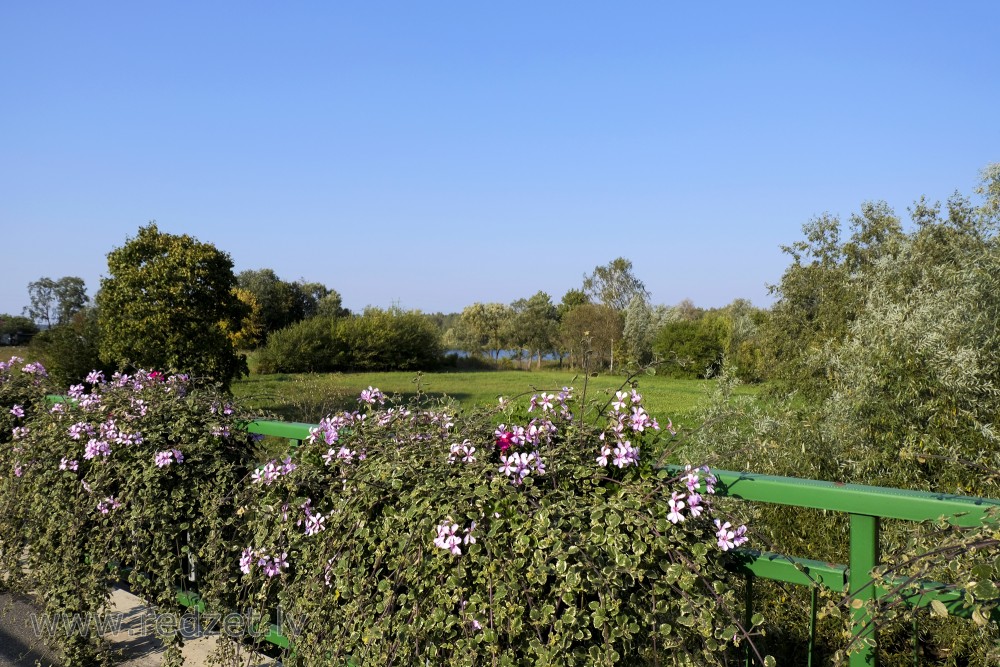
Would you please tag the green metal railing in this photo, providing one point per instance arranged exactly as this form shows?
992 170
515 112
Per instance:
866 506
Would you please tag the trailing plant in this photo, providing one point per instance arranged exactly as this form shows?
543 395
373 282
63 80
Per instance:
131 478
406 534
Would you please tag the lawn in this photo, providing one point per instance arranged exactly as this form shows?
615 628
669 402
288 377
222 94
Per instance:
309 397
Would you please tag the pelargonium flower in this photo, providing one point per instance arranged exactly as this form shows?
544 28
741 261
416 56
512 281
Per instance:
68 464
95 377
35 368
20 432
247 558
448 538
371 396
273 565
676 504
695 505
96 448
17 411
314 522
729 539
504 438
602 459
110 503
163 459
463 450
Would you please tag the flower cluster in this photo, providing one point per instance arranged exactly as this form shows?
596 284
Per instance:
518 465
462 451
110 503
626 420
165 458
371 396
554 403
449 539
271 471
271 565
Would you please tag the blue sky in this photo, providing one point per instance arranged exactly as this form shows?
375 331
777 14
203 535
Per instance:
434 154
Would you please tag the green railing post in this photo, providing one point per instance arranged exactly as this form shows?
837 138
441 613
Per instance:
864 555
748 619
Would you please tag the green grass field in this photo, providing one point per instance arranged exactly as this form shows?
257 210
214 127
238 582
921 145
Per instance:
309 397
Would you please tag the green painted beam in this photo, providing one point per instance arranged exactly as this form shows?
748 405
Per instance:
853 498
289 430
798 571
864 553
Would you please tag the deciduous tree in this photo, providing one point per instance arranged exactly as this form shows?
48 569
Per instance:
614 284
164 304
56 301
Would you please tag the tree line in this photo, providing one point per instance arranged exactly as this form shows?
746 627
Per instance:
173 302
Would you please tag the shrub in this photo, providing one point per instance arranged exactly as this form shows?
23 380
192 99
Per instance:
308 346
407 535
138 475
380 340
691 349
72 350
377 340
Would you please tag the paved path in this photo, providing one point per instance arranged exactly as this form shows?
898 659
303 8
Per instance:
21 647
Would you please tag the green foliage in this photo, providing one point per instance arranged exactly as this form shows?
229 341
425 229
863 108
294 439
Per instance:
888 356
614 284
535 326
692 349
76 518
577 566
309 346
56 300
390 339
281 303
15 329
168 303
483 328
589 333
71 350
373 341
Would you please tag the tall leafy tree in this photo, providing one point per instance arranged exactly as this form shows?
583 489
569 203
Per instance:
56 301
484 328
614 284
535 325
589 333
639 331
170 303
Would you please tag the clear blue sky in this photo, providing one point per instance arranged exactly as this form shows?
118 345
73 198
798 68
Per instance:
433 154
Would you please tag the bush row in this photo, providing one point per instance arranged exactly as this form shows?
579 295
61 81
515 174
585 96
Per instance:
376 340
398 534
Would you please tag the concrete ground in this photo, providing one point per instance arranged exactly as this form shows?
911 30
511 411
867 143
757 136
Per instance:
131 633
